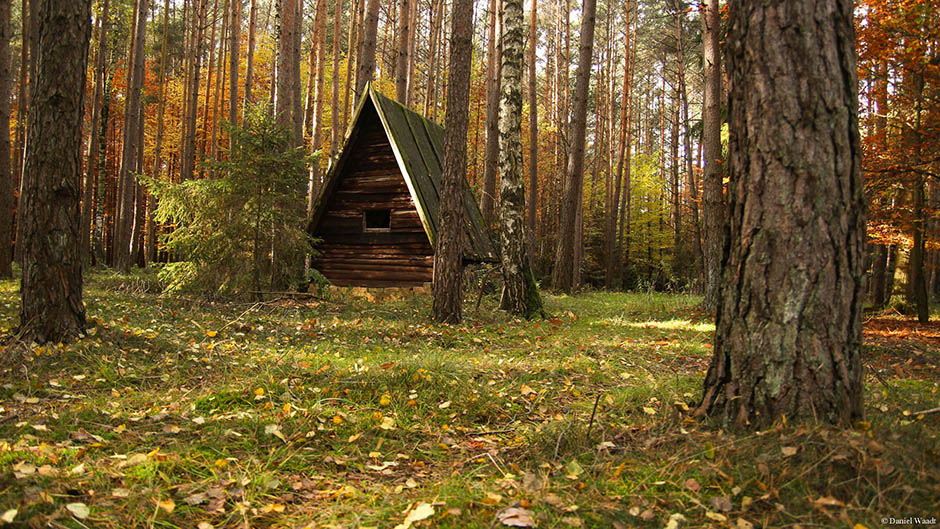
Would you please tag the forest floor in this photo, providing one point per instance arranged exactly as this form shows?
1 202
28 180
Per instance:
355 412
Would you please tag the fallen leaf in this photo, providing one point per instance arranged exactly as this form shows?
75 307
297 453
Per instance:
79 510
716 516
743 524
721 503
788 450
516 517
421 511
444 405
675 520
388 423
204 525
692 485
120 492
828 501
9 515
169 505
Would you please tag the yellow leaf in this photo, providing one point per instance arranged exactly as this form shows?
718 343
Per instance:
388 423
211 334
352 438
259 392
169 505
385 400
337 419
9 515
421 511
788 450
444 405
525 389
79 510
649 411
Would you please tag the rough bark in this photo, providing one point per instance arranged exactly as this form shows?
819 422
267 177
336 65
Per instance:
491 153
132 127
288 69
533 191
520 294
563 275
788 330
615 250
317 126
23 94
448 255
367 47
713 201
6 174
878 276
149 253
51 288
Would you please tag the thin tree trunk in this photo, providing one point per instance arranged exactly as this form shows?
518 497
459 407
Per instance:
334 75
51 288
150 246
23 94
123 255
448 255
188 154
351 46
533 190
788 331
317 128
615 251
687 143
563 274
234 48
91 170
401 57
491 152
367 48
713 202
250 57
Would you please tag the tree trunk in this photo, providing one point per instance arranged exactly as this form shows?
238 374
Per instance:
448 255
150 244
188 154
317 127
533 190
615 249
23 94
288 70
367 48
713 200
788 331
234 49
563 275
132 128
51 288
6 175
250 57
520 294
401 57
335 131
879 269
687 146
491 153
91 170
352 43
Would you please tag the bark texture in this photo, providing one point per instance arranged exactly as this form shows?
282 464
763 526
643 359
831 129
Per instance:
520 294
563 275
713 200
493 134
51 288
448 256
366 54
533 191
6 175
788 330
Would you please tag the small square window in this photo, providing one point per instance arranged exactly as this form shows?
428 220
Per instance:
377 219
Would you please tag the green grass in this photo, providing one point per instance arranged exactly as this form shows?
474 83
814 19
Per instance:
346 413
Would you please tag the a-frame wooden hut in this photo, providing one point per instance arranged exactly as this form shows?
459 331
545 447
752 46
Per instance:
377 212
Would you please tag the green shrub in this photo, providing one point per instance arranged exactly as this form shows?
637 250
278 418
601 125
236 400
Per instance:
243 227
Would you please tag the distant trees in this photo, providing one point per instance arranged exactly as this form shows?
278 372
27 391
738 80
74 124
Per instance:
51 289
448 255
788 331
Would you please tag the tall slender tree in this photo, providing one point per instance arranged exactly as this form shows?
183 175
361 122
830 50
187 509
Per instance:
288 69
250 53
713 201
563 274
788 330
127 188
401 56
520 293
52 309
334 75
188 140
233 50
448 256
6 174
533 191
491 153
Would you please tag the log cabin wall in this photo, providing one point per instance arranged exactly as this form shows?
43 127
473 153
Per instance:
370 180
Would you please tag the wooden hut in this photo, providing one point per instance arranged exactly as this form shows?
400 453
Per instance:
377 212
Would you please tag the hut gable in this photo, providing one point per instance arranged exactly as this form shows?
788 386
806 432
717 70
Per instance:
377 212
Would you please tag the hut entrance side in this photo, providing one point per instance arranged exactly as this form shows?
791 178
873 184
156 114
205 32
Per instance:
377 211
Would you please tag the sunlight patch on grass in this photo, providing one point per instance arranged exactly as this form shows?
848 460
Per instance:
669 325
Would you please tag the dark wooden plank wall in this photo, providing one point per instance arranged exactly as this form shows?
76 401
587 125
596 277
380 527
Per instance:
371 180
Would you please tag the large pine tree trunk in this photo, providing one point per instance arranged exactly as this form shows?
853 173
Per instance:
788 331
401 55
288 69
448 255
335 131
51 289
614 256
317 126
367 47
563 275
520 294
713 201
127 186
491 153
188 152
234 49
6 175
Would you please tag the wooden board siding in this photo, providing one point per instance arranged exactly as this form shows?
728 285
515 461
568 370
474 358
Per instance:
370 179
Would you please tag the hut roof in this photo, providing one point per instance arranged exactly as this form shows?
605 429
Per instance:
418 145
